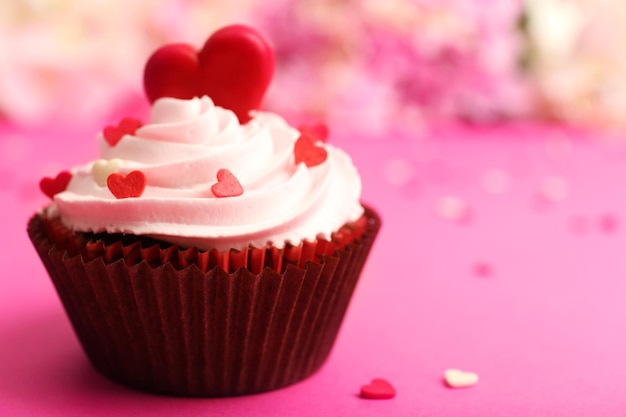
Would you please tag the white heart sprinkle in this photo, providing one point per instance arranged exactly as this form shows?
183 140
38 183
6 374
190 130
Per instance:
455 378
102 168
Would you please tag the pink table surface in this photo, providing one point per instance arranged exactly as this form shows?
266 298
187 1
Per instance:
544 327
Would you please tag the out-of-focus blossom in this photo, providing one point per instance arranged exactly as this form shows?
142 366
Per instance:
369 65
577 60
363 66
74 61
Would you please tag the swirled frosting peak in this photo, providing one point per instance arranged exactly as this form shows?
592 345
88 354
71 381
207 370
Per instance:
190 149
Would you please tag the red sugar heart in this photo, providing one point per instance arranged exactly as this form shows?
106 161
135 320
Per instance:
227 185
378 389
317 131
131 185
52 186
126 126
234 68
307 151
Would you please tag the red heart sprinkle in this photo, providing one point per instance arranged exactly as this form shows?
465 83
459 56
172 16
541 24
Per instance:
234 68
131 185
378 389
317 131
52 186
227 185
307 151
126 126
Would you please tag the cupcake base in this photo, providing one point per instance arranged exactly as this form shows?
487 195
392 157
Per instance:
155 323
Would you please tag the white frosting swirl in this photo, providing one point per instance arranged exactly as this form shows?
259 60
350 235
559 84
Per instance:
180 152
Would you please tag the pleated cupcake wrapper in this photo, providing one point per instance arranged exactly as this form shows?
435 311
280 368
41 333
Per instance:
202 330
136 249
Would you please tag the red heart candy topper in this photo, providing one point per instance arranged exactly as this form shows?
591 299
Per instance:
234 68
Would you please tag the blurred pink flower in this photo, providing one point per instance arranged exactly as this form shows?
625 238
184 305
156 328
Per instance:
397 63
363 66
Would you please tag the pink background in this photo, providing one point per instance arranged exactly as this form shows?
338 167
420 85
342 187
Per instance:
545 329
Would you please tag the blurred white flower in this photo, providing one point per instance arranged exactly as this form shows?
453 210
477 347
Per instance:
577 60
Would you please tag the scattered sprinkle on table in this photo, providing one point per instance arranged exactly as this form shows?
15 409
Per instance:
456 378
378 389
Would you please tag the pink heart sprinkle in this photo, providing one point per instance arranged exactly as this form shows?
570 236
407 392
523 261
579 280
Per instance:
227 185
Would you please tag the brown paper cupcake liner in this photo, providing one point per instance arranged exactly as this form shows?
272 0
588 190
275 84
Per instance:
134 249
191 323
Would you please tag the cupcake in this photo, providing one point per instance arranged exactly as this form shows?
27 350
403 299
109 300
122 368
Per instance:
212 250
